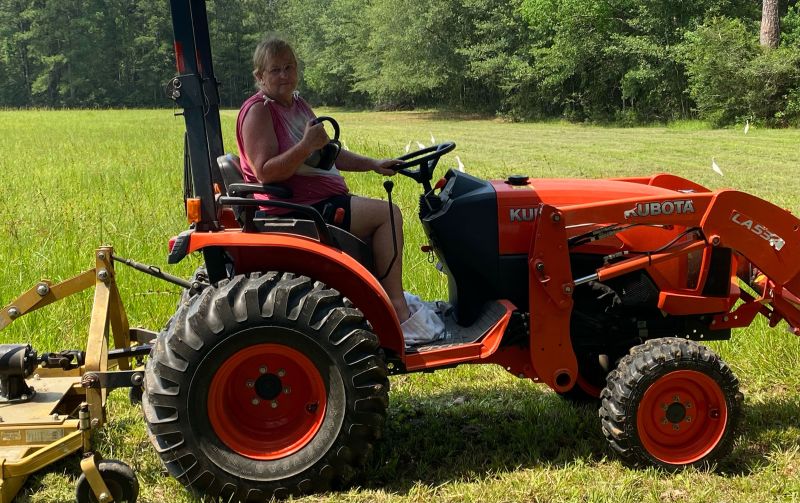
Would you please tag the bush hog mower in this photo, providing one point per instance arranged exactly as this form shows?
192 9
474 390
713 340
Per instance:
50 404
271 379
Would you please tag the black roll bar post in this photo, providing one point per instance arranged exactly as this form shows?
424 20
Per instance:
195 89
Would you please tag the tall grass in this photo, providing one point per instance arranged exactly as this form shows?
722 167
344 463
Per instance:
76 180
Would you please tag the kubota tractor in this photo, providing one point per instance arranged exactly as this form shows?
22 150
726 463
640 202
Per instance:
272 377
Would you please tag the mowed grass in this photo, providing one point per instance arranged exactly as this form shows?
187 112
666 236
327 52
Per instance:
76 180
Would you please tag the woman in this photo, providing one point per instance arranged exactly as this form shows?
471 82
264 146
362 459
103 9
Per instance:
275 137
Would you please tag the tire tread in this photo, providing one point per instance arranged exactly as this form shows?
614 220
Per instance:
271 298
643 365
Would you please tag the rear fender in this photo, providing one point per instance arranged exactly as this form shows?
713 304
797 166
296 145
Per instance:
306 256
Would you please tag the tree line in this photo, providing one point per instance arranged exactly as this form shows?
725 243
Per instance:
626 61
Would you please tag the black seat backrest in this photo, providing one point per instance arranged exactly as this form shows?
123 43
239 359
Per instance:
230 169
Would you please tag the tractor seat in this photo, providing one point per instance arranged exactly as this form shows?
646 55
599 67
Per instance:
235 186
252 220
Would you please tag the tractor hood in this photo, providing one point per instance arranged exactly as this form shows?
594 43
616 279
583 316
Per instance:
569 191
518 199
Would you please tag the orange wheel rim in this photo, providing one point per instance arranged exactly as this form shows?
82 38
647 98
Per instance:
267 401
682 417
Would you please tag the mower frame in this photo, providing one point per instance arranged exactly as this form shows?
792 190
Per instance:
69 403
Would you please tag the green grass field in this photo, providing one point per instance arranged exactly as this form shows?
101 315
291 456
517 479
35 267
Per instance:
75 180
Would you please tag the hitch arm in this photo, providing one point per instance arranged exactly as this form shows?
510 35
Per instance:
43 294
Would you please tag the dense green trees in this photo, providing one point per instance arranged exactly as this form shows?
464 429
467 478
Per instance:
81 53
732 78
598 60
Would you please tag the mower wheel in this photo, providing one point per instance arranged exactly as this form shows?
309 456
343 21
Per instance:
671 403
265 386
119 478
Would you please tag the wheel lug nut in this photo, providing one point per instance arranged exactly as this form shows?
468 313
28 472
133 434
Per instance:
688 405
251 384
287 390
664 421
688 419
281 373
676 398
274 404
664 406
676 427
263 369
255 401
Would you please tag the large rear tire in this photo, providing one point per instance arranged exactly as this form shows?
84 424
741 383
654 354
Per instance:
264 387
671 403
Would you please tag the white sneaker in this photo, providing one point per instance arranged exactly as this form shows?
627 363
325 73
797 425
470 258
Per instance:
424 325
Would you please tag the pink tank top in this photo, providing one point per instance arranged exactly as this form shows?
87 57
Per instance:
309 185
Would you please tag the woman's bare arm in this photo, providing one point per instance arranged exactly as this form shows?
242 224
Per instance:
350 161
261 146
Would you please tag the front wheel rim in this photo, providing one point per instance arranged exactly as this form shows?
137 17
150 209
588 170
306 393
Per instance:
682 417
267 401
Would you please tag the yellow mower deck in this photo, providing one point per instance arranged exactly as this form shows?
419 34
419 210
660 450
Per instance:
67 405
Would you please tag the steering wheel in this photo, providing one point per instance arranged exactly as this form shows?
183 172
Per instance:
325 118
426 159
325 157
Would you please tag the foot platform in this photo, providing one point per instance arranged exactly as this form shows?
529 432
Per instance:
493 314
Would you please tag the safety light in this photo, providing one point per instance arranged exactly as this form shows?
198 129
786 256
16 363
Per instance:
193 209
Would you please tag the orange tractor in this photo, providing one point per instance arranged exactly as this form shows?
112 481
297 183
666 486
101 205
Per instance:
271 379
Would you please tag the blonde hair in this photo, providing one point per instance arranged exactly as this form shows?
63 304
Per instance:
269 47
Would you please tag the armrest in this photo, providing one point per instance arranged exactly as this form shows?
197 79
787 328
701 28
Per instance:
323 232
247 189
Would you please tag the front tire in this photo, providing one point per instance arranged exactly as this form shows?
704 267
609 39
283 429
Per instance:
671 403
264 387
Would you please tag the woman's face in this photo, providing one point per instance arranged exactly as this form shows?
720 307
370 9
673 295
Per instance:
279 78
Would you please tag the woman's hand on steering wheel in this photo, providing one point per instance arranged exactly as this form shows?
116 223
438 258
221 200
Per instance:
315 136
386 167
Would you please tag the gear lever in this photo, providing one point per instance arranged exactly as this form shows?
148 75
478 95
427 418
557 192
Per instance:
389 185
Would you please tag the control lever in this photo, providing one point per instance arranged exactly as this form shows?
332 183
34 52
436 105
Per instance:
388 185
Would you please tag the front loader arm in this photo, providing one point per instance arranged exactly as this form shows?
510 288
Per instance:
765 235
